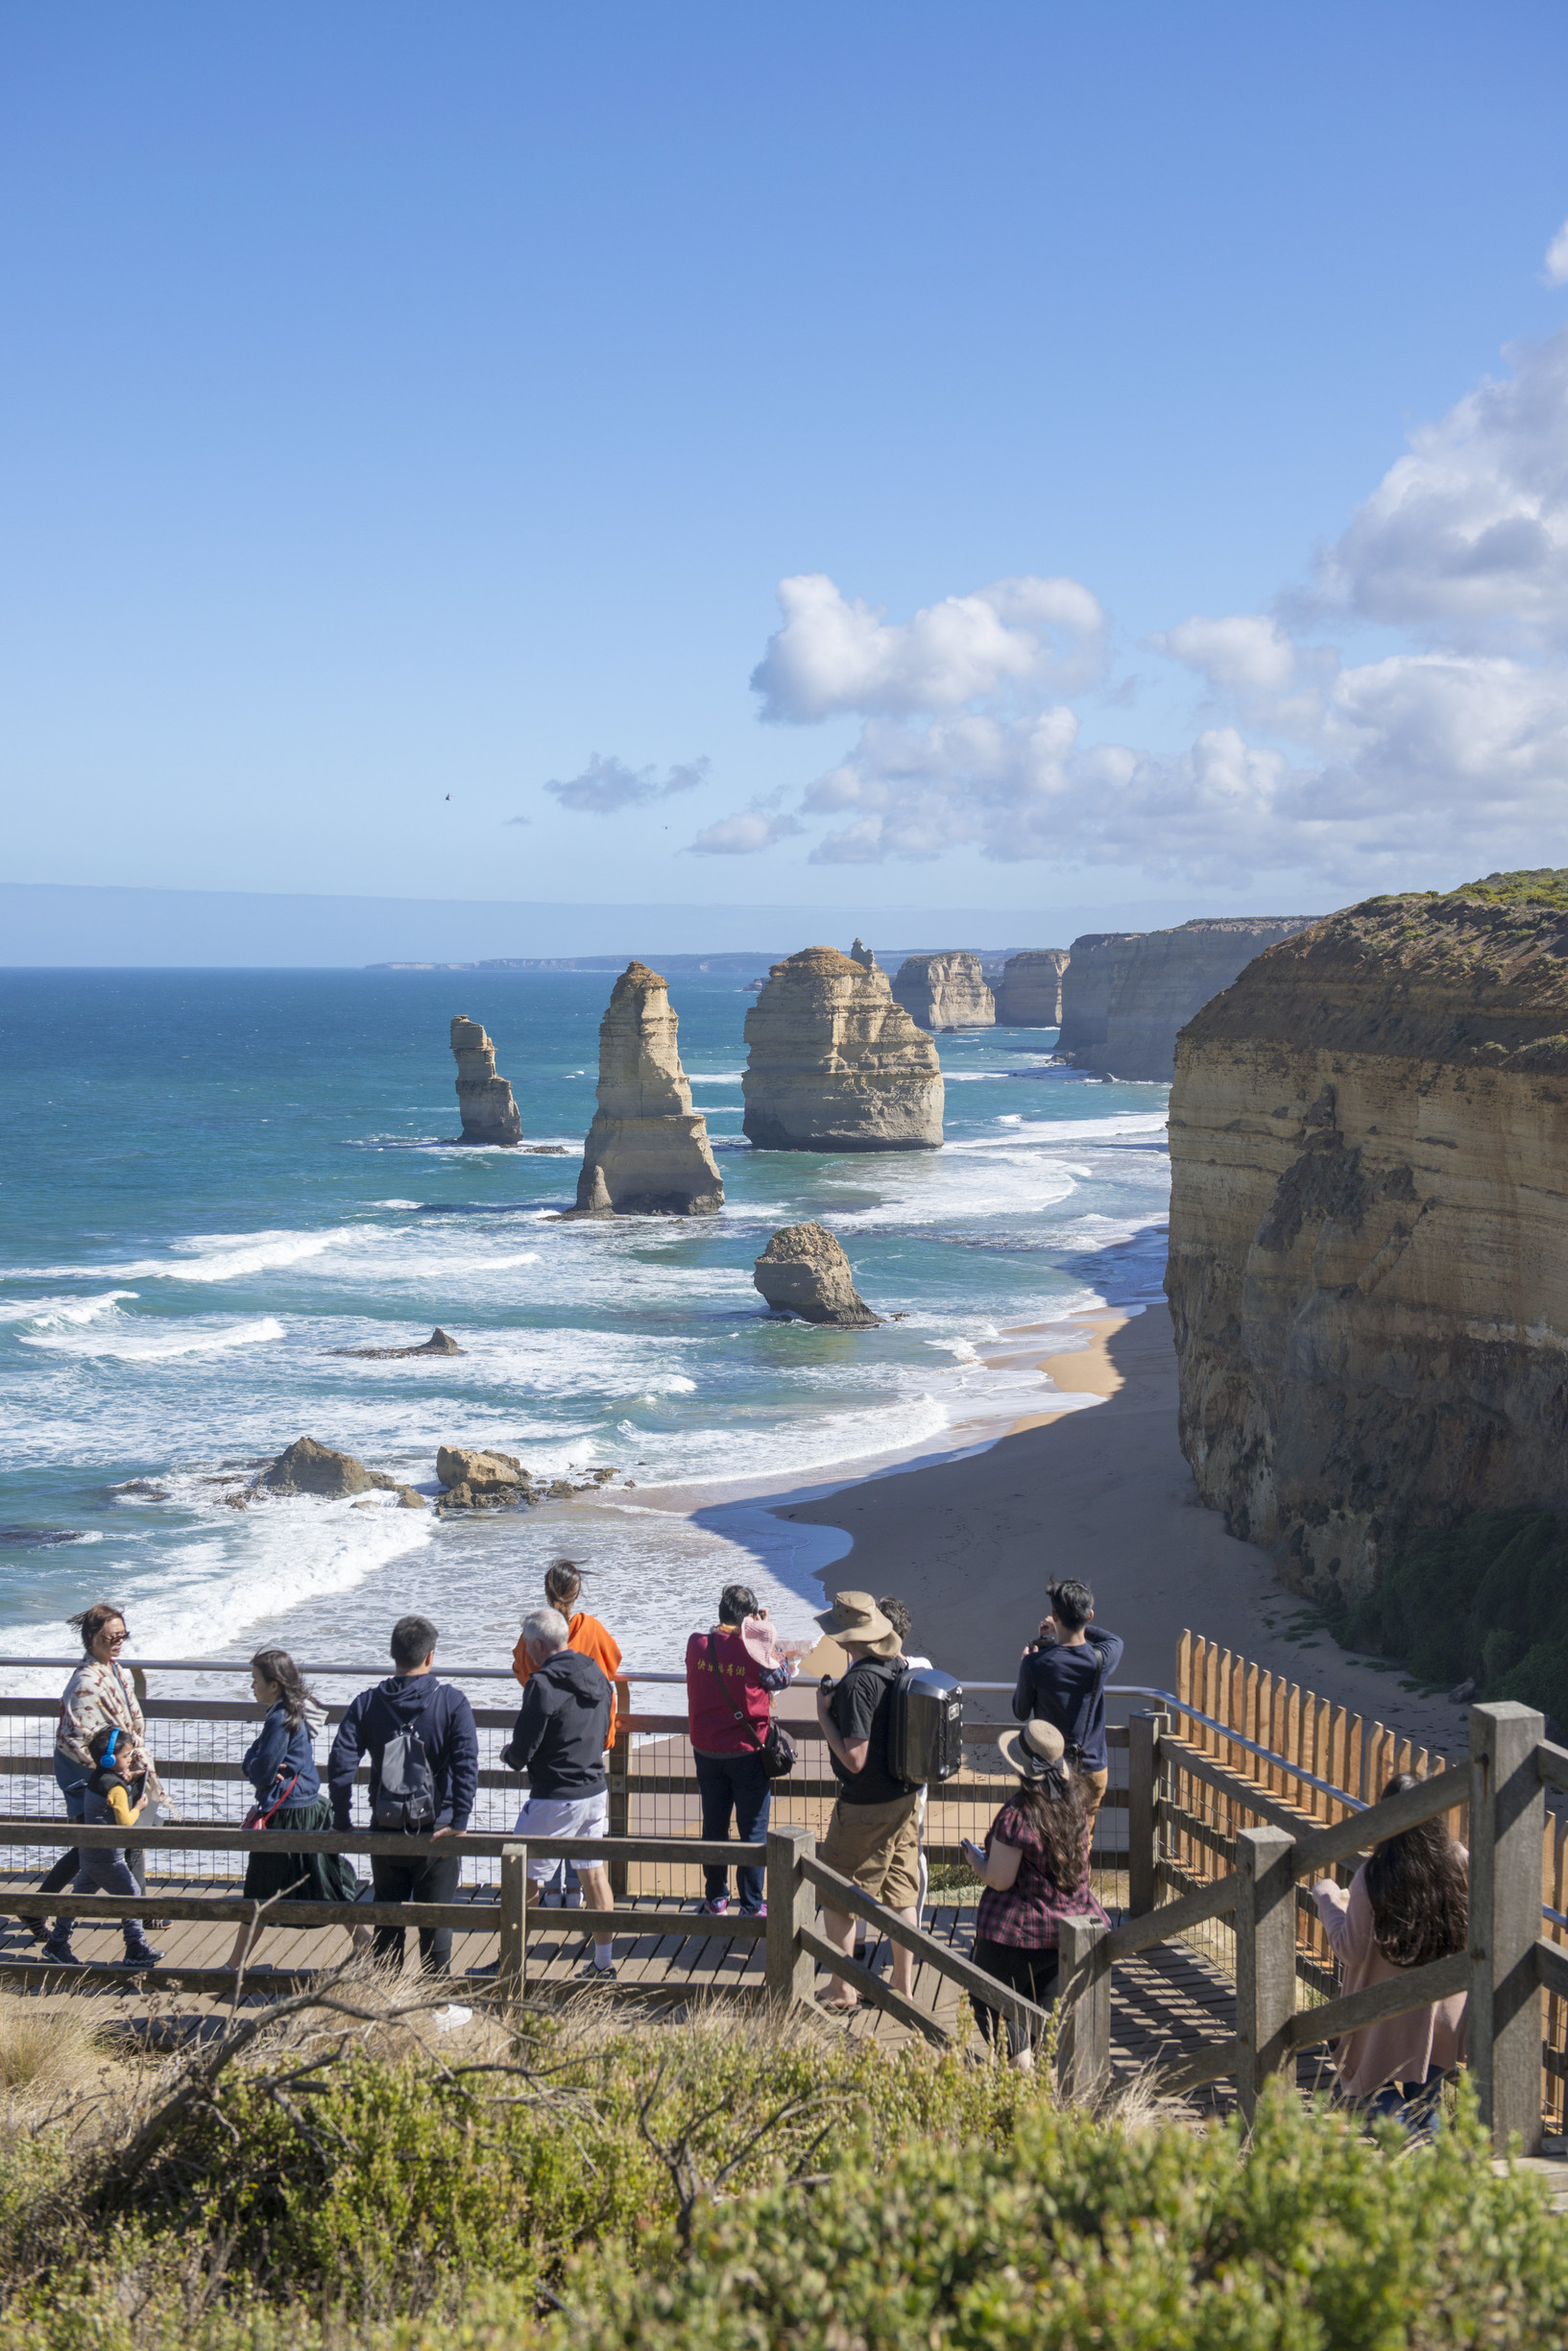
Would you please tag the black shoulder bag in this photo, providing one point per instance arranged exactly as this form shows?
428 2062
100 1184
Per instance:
778 1749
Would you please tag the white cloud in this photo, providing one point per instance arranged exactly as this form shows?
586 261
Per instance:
1247 652
837 653
1467 537
1556 259
608 786
745 834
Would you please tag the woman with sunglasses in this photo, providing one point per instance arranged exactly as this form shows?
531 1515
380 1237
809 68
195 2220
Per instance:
100 1696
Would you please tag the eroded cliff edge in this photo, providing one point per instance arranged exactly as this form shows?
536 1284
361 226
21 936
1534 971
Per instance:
945 991
1369 1268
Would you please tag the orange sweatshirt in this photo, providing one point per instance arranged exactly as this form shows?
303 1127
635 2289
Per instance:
589 1638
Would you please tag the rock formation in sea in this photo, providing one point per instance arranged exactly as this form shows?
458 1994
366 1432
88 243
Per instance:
1031 994
804 1272
490 1115
1369 1264
1151 982
860 953
945 991
306 1468
474 1478
836 1063
439 1342
647 1151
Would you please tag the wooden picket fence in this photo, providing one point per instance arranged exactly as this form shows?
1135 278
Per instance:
1320 1756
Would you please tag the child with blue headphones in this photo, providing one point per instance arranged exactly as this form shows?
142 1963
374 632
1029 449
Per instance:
116 1797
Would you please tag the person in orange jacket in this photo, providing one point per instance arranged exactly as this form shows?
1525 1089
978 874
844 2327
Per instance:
562 1590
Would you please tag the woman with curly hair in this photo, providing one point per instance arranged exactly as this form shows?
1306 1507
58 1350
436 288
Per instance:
1408 1905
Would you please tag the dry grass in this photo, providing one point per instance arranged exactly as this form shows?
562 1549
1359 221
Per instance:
55 2060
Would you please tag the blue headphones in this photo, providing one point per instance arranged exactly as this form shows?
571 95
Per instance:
108 1751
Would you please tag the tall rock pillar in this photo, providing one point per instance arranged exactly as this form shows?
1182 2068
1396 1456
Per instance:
490 1115
647 1151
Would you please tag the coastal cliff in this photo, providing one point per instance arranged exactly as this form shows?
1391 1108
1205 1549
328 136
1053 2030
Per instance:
490 1115
1368 1266
835 1064
945 991
1086 993
1031 994
1163 977
647 1151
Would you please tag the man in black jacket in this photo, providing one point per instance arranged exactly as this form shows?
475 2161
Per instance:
1061 1680
559 1740
411 1700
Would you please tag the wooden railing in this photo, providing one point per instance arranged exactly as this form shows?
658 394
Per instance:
1504 1970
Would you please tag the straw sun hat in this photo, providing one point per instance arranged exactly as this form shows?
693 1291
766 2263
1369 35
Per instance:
1034 1750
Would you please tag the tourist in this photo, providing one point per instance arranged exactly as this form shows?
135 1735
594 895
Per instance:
1034 1867
1406 1906
114 1795
563 1589
559 1740
100 1695
1062 1681
732 1672
280 1765
898 1616
428 1726
873 1836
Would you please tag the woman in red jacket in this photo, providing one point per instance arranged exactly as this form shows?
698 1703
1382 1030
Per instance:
730 1674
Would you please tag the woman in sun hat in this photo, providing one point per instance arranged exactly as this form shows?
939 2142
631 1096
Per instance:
1035 1870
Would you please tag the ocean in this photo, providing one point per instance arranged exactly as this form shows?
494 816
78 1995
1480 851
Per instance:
211 1181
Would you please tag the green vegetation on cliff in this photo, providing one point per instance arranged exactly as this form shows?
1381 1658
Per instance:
729 2188
1484 1601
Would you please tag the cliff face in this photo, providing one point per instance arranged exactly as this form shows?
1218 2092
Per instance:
945 991
647 1151
1086 993
1031 994
490 1115
1163 977
835 1064
1368 1263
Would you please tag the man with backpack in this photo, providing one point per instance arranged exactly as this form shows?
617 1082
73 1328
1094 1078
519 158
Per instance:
874 1835
1062 1681
424 1773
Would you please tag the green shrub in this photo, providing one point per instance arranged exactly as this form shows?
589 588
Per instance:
1486 1600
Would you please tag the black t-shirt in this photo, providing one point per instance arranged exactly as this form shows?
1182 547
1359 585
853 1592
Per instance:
861 1708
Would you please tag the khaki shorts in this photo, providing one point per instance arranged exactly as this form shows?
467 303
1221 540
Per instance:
878 1846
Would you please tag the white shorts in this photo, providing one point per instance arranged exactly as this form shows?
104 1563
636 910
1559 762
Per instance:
561 1816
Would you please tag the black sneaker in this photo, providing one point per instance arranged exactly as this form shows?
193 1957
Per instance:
56 1950
593 1973
141 1956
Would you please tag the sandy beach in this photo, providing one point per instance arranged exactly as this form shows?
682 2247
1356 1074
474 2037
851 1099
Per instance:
1096 1490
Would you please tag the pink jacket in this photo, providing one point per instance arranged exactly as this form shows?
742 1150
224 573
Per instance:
1402 2048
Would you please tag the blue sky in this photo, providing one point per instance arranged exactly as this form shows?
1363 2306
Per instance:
403 401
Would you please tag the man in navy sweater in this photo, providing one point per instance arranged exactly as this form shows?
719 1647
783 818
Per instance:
412 1699
1062 1681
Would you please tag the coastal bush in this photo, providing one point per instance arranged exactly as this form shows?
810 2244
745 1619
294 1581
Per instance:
1485 1600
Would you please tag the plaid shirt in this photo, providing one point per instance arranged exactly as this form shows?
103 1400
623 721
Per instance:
1027 1916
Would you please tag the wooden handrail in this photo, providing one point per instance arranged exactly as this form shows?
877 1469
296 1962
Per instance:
1397 1997
1188 1910
200 1836
845 1895
1390 1818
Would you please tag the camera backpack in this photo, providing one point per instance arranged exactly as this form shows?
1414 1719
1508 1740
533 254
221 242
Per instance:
925 1736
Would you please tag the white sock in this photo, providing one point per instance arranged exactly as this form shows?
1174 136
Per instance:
604 1954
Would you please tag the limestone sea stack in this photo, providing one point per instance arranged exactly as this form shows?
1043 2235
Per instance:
1369 1264
804 1272
835 1064
647 1151
945 991
490 1115
1031 994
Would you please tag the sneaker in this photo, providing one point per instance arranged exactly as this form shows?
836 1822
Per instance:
716 1908
593 1973
142 1955
482 1975
760 1910
56 1950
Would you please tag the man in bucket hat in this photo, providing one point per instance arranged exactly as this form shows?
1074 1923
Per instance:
874 1835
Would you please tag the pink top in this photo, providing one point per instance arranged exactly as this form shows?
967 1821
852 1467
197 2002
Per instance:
1402 2048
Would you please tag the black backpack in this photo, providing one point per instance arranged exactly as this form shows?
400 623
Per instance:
926 1729
405 1798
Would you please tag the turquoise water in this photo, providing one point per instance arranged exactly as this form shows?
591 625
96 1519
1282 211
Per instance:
212 1179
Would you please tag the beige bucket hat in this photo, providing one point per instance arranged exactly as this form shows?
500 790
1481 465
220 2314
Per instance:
1035 1749
854 1616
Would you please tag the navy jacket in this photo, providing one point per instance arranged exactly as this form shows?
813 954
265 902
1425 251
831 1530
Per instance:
561 1725
1054 1685
277 1754
443 1719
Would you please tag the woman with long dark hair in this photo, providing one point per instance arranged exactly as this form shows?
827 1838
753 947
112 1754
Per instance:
1406 1906
101 1695
280 1765
1034 1866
